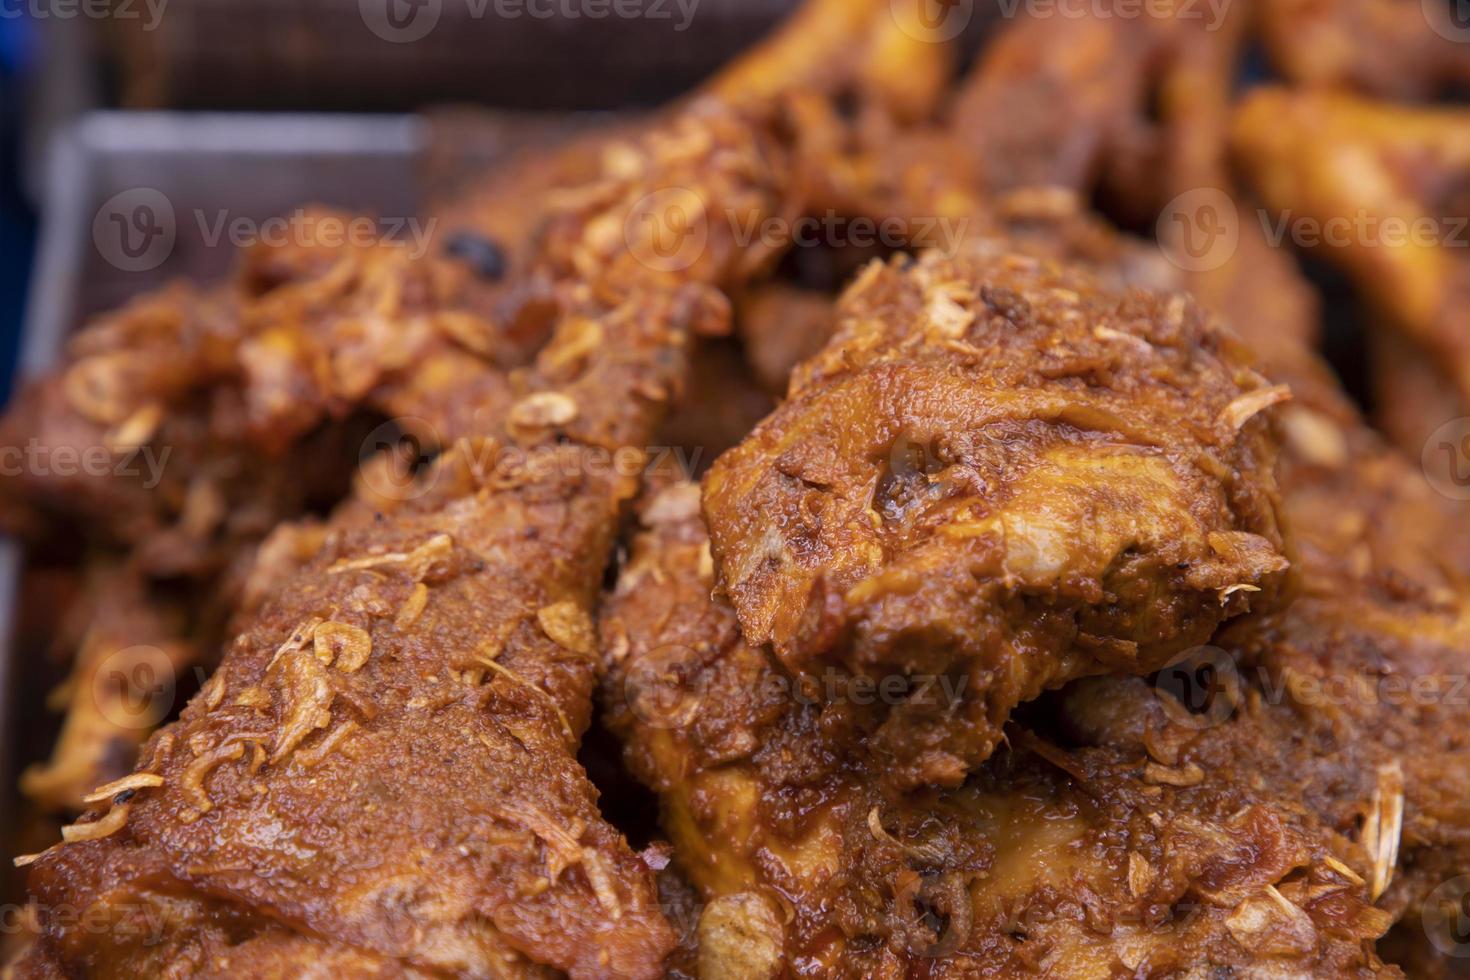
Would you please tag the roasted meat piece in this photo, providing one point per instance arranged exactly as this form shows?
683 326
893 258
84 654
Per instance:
1268 804
1000 475
181 429
1396 49
131 650
208 416
1380 191
1142 130
1053 98
893 61
381 775
1158 852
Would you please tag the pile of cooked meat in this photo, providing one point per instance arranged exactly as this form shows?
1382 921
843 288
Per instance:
1005 594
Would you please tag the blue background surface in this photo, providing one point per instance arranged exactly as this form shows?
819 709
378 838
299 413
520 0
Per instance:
17 224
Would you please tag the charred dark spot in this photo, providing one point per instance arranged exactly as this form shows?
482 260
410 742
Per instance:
481 253
848 104
1007 302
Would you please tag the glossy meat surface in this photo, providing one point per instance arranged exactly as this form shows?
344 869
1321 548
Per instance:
1148 847
181 429
1378 190
1002 475
383 768
1396 49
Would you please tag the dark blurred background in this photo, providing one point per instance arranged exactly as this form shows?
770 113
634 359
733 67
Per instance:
18 50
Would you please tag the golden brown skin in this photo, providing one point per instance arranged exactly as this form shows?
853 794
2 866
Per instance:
226 382
383 770
1385 562
1382 511
179 491
1143 128
1385 48
1364 166
1097 860
213 415
394 333
766 791
230 380
1083 99
1053 99
1412 398
1002 475
146 395
221 413
130 650
1352 700
1256 287
782 325
416 767
894 62
1156 167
